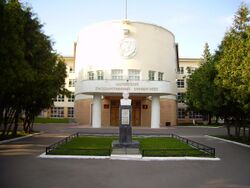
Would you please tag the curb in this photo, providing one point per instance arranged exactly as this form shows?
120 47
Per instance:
18 138
129 158
44 156
229 141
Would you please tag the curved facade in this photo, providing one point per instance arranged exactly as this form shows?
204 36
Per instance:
119 56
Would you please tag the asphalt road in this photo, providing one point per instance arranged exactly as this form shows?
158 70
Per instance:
21 167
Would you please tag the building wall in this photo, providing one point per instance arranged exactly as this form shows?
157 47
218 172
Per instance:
168 109
188 65
168 112
103 53
98 48
105 112
83 111
146 113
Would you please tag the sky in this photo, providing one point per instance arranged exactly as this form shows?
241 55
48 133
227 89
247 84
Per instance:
193 22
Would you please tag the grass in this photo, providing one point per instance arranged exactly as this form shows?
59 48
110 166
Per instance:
242 140
87 145
51 120
149 146
10 136
166 146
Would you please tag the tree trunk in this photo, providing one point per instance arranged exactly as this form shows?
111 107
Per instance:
209 119
248 133
244 133
216 120
5 121
229 130
14 131
236 131
1 116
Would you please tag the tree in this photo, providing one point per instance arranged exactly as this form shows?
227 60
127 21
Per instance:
234 63
234 66
206 54
202 93
31 72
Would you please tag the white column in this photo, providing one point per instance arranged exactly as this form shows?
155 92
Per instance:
155 112
97 111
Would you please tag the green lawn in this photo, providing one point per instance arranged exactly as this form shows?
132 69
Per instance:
87 145
149 146
51 120
166 146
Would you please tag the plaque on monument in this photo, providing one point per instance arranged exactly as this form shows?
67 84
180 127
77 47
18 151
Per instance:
125 119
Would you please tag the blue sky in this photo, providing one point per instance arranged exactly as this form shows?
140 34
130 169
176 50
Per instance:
193 22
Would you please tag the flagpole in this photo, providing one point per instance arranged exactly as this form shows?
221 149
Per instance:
126 16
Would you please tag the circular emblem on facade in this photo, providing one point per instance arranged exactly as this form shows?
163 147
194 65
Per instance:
128 47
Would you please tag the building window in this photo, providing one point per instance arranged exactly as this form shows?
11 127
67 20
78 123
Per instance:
117 74
71 98
60 98
160 76
181 113
180 83
191 70
181 70
91 75
133 74
100 75
57 112
70 112
71 69
180 97
195 115
72 82
151 75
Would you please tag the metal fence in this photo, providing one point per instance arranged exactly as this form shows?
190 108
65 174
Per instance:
63 141
85 151
206 150
200 147
163 152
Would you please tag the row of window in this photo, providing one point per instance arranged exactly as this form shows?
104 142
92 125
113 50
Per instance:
117 74
182 113
61 98
190 70
59 112
72 82
180 83
180 97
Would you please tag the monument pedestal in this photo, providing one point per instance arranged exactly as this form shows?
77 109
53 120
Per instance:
125 145
116 144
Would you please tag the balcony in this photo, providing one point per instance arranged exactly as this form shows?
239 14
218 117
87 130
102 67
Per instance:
135 87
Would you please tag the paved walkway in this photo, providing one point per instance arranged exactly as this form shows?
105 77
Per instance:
20 166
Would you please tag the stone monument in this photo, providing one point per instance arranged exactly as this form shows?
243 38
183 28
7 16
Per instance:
125 129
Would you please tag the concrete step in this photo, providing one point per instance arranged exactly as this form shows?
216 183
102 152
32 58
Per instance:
125 153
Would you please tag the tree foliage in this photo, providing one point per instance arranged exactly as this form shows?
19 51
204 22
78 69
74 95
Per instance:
234 62
221 85
202 94
31 72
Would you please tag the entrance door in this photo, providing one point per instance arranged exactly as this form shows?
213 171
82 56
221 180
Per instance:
114 113
136 113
